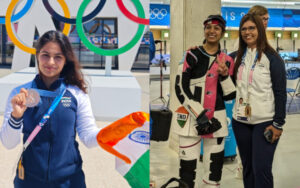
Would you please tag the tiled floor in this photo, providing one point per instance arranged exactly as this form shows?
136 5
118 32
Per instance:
286 166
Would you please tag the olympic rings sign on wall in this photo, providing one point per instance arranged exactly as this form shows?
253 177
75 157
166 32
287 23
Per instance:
140 19
158 13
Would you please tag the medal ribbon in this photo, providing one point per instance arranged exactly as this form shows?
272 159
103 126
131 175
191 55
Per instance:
46 116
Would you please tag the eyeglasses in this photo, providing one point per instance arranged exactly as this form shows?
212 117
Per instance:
45 57
250 29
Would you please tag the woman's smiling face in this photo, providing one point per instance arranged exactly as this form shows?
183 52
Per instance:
51 60
249 34
213 33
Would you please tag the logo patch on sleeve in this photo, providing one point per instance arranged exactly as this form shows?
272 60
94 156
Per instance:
182 116
66 101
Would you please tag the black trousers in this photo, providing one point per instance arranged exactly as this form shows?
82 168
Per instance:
256 154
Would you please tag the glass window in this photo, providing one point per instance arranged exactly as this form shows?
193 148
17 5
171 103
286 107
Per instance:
7 48
141 61
1 43
102 32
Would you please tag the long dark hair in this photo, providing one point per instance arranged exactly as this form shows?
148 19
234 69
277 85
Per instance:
262 44
71 71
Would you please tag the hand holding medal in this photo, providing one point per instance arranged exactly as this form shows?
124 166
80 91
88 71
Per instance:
20 102
33 98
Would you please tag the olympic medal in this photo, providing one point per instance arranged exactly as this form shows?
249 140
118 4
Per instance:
33 98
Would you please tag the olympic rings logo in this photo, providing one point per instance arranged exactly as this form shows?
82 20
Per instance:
158 13
79 20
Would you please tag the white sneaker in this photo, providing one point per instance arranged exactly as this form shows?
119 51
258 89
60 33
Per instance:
239 173
206 184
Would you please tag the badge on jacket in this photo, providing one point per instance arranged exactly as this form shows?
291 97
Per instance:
243 110
66 101
182 116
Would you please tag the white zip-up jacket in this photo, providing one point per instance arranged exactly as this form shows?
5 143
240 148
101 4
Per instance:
267 92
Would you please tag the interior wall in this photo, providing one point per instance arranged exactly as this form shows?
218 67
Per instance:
286 43
157 36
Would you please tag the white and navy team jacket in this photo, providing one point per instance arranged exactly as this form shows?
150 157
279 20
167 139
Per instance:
198 86
267 92
53 154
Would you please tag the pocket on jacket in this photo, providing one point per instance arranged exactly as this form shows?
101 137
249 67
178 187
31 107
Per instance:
197 93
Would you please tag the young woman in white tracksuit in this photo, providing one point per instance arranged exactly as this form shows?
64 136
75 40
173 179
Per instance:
261 84
202 84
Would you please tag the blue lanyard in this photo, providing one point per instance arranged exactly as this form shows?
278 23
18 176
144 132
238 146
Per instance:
252 67
250 76
255 60
53 105
61 90
46 93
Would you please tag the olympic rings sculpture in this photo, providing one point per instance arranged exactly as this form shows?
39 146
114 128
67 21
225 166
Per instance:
19 14
112 52
11 32
79 20
73 21
131 16
159 14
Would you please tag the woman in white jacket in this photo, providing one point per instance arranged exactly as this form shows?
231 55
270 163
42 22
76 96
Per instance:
261 84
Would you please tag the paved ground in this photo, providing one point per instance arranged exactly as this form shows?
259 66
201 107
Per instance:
98 165
164 162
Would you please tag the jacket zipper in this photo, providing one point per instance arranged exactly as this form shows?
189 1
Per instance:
49 156
50 146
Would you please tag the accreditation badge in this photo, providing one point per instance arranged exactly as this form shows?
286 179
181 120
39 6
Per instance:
248 110
243 111
182 116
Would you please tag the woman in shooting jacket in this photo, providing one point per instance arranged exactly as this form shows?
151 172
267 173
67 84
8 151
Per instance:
202 85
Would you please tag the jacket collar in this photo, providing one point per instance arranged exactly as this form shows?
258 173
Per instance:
41 85
218 52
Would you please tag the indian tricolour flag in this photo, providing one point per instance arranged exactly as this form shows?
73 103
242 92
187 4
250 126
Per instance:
136 147
130 144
